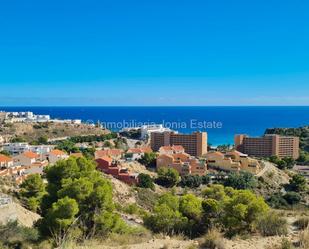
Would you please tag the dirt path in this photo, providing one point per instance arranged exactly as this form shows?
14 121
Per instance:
267 167
151 244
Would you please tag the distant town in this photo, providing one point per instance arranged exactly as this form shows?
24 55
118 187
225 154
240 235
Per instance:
188 154
144 180
29 117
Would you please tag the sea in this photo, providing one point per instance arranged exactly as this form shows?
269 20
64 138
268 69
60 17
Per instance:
221 123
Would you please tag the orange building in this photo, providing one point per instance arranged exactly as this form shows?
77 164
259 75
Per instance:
194 144
5 161
268 145
182 162
232 161
115 154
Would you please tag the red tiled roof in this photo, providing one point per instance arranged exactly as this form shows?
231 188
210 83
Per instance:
146 149
134 150
57 152
166 148
177 147
106 158
110 152
172 148
5 159
218 153
166 156
181 156
30 154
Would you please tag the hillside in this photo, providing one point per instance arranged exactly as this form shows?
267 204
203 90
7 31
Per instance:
15 211
32 131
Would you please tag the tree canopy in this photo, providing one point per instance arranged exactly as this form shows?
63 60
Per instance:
234 210
32 191
167 177
145 181
148 159
76 195
241 180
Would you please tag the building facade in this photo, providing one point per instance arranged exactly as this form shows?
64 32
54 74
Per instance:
232 161
183 163
56 155
19 148
194 144
107 165
5 161
268 145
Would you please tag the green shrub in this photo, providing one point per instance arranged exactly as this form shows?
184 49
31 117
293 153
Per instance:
167 177
14 235
302 223
241 180
286 244
148 159
277 201
292 198
298 183
32 191
78 198
194 181
131 209
242 211
145 181
236 210
146 198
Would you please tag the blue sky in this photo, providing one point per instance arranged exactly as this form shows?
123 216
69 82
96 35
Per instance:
154 52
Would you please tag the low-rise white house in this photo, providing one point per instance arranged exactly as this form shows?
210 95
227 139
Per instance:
19 148
5 161
146 130
26 159
36 168
26 117
13 117
56 155
1 140
137 153
15 148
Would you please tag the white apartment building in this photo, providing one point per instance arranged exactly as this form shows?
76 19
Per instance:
26 117
19 148
13 117
146 130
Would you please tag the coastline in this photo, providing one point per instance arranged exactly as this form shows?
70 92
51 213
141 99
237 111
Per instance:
251 120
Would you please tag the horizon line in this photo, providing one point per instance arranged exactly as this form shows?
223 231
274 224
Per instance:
10 106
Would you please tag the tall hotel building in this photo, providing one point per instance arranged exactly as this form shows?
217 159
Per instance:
268 145
194 144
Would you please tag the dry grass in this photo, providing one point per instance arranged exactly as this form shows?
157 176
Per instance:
212 240
192 247
304 239
272 224
165 236
285 244
127 239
